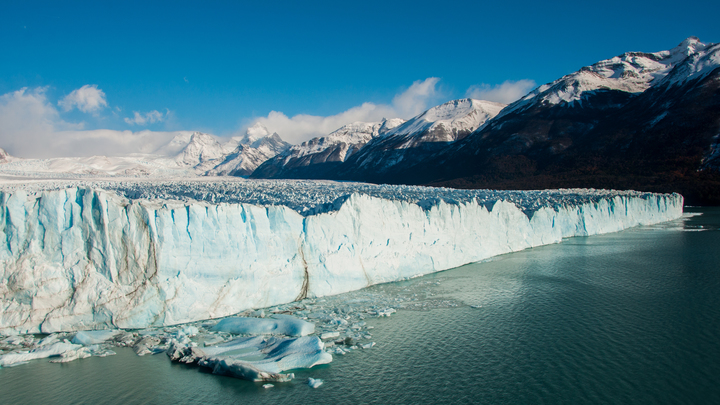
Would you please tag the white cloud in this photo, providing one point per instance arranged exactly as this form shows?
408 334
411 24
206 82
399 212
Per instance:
506 92
298 128
87 98
150 117
31 127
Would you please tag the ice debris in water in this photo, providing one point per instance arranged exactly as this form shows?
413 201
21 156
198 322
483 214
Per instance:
314 382
304 334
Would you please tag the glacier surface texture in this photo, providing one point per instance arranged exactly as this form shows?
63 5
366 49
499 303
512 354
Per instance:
133 254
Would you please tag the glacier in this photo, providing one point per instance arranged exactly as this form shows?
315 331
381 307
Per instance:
88 255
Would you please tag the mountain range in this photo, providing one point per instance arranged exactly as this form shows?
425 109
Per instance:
645 121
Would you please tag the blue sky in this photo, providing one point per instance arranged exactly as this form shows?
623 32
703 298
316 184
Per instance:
220 66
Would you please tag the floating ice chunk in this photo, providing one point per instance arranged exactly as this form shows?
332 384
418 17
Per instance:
368 345
278 324
314 382
147 345
268 386
258 314
329 335
213 340
48 339
11 343
90 337
187 330
255 358
100 351
70 355
383 312
40 352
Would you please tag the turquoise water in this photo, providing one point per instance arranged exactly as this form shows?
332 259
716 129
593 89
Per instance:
631 317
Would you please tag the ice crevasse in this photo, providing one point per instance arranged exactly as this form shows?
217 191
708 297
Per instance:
83 258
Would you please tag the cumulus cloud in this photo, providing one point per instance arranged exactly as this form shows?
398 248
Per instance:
87 98
31 127
150 117
506 92
298 128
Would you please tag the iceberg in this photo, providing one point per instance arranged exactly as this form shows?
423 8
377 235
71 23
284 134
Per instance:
255 358
81 255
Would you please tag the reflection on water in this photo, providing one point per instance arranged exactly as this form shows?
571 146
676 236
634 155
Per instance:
631 317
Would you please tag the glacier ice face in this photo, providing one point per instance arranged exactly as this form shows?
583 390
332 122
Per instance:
78 256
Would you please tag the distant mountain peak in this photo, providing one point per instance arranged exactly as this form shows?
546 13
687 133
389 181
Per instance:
448 121
4 156
201 148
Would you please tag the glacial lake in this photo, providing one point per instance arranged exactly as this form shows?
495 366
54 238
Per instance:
630 317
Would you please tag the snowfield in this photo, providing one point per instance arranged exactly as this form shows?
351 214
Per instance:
80 255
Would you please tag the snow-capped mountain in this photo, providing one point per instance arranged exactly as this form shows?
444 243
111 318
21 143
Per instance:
248 155
447 122
631 72
202 148
647 121
4 156
316 157
186 155
419 136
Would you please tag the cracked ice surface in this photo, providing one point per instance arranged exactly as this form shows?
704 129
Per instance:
80 255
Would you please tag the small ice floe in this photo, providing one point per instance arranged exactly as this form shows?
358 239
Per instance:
147 345
278 324
70 355
258 358
53 349
329 335
211 340
258 314
368 345
266 386
89 337
315 382
383 312
476 306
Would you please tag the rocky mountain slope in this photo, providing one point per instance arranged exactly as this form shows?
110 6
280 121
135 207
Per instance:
319 157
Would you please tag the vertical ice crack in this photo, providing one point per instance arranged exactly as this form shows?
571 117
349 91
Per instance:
306 276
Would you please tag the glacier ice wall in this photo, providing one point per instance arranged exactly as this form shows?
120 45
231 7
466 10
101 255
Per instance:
86 258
